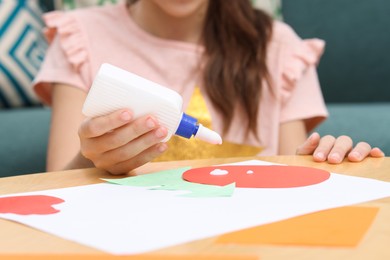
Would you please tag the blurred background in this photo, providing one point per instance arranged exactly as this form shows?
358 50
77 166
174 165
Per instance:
354 71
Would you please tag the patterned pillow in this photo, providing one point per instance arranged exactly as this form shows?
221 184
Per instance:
22 47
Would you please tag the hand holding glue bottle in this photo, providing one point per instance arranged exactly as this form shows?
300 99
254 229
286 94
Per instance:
114 88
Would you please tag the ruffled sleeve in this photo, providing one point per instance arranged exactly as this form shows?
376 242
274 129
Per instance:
300 91
70 36
298 58
66 59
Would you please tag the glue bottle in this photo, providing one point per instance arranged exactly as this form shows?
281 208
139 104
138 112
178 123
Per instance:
114 88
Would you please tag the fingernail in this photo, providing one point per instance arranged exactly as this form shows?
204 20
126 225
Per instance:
355 155
150 123
320 155
161 132
335 157
125 116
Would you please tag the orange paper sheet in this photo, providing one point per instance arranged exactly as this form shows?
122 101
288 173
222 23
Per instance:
342 227
128 257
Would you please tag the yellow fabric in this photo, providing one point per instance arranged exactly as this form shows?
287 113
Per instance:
187 149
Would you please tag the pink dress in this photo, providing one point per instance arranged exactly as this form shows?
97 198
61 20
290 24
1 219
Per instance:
82 40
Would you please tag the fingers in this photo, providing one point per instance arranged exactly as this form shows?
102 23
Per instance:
93 127
140 159
341 147
376 152
309 146
129 132
323 149
361 151
132 149
327 148
118 144
334 150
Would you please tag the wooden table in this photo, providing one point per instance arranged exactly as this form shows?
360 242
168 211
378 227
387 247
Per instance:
20 239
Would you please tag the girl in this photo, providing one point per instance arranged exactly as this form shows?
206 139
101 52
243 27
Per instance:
242 74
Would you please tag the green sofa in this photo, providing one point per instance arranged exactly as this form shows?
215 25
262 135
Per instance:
354 74
23 140
355 69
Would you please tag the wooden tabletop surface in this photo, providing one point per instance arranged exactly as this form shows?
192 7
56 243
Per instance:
19 239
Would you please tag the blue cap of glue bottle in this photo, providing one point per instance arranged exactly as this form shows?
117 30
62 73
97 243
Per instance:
189 127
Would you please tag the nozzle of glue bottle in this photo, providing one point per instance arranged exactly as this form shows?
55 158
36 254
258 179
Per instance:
189 127
114 88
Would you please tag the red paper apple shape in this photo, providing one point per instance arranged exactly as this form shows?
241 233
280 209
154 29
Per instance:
257 176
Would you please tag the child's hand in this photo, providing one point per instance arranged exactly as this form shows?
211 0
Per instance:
334 150
118 144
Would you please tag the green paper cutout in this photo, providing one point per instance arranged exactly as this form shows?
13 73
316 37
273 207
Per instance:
172 180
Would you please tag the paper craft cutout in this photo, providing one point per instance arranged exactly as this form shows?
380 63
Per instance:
255 176
172 180
29 205
334 227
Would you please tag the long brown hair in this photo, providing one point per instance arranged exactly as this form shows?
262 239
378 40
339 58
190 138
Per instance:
235 37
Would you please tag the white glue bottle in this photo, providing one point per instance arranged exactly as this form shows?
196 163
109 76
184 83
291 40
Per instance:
114 88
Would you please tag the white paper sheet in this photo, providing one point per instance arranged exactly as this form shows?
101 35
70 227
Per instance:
130 220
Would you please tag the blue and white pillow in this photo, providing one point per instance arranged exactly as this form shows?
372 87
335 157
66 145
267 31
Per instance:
22 49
